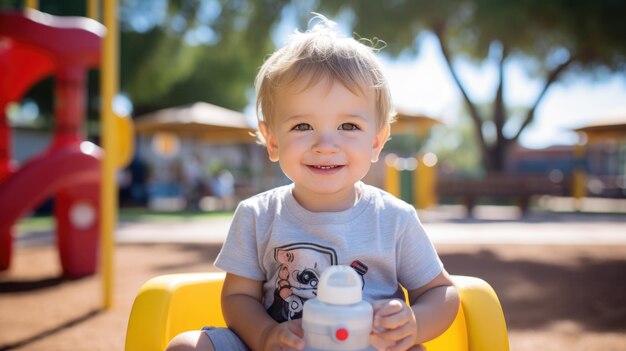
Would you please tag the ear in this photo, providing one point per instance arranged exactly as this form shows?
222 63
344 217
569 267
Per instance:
271 143
379 141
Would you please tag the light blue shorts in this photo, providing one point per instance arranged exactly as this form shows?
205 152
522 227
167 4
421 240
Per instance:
224 339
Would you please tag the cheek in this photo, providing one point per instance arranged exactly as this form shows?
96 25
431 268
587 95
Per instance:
293 146
359 145
364 150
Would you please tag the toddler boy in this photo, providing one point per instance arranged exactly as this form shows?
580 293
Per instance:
324 112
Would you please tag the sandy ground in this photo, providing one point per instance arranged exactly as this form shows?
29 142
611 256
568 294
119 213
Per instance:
555 297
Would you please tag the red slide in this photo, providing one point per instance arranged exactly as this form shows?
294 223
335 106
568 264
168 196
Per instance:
35 45
72 174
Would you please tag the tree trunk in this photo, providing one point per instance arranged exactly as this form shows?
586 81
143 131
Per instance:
439 29
499 149
553 76
493 157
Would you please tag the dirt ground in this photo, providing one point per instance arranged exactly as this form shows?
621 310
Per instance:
555 297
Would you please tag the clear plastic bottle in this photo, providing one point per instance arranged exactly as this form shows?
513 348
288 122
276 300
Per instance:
338 319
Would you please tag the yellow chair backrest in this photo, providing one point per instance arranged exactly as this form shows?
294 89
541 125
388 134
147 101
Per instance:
170 304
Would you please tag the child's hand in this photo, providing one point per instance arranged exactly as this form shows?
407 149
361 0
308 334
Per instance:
394 326
284 336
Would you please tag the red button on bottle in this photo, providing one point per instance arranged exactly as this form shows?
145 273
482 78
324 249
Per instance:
341 334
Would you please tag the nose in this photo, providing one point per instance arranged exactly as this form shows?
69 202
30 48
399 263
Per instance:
325 142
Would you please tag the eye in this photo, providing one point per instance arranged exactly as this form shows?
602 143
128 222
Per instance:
349 126
308 277
302 127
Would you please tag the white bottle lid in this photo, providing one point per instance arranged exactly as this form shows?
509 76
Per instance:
340 285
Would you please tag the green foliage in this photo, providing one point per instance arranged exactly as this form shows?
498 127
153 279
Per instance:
10 4
59 8
549 38
163 67
42 91
457 150
590 31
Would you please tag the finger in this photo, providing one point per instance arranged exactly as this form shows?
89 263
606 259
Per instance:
393 321
386 307
392 308
296 328
289 339
400 333
404 345
378 343
378 304
396 320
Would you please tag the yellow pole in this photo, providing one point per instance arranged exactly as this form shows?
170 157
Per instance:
419 182
32 4
108 89
392 176
579 177
93 9
426 181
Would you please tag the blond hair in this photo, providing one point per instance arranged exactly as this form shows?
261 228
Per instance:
323 53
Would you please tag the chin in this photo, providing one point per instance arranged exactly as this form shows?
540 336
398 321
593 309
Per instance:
328 189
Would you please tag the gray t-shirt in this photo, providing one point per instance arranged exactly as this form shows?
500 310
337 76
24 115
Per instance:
275 240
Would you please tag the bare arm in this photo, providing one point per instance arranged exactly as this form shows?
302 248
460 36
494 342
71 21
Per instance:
244 313
435 306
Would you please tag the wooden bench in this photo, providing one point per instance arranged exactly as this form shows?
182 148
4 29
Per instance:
516 188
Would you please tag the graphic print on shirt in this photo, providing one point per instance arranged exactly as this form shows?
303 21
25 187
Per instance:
361 268
297 277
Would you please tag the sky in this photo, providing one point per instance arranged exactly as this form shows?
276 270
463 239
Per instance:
424 85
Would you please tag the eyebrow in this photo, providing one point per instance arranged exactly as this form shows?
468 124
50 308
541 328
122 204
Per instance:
290 118
361 116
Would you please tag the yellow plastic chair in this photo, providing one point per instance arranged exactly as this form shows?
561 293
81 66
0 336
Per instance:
170 304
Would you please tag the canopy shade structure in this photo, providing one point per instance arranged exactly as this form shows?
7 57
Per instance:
416 124
608 127
201 120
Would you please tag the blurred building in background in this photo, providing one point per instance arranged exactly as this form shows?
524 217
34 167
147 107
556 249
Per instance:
605 154
197 157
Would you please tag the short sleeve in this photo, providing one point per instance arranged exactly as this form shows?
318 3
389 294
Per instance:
239 254
417 259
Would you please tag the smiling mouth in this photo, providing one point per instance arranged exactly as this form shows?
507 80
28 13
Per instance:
325 167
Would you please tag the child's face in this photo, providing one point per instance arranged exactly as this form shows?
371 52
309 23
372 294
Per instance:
325 137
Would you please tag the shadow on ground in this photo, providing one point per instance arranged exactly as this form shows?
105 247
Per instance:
534 294
52 331
43 310
8 287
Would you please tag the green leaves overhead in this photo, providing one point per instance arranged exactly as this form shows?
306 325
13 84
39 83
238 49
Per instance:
199 51
547 39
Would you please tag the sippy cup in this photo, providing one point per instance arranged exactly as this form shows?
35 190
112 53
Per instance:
337 319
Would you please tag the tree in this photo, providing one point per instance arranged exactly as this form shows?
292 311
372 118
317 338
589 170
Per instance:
551 38
195 51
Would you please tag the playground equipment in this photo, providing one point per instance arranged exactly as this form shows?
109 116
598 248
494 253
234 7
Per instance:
171 304
412 179
39 45
35 45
